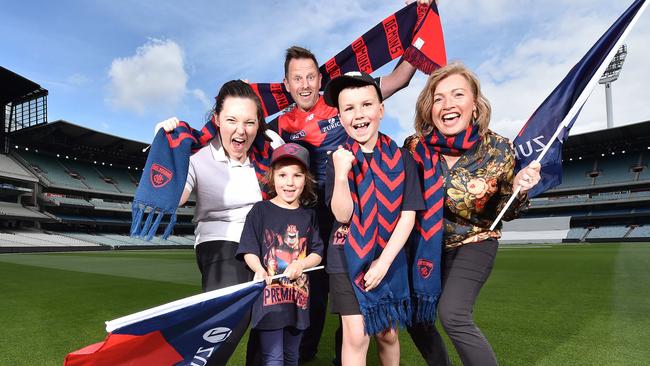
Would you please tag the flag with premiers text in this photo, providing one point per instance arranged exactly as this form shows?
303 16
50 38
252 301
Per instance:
185 332
542 137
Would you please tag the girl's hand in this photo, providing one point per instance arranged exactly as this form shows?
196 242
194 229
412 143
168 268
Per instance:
343 160
294 270
262 275
528 177
375 274
167 125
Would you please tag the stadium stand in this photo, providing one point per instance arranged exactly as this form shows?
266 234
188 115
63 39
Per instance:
67 187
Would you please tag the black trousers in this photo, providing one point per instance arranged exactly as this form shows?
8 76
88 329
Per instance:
464 272
219 268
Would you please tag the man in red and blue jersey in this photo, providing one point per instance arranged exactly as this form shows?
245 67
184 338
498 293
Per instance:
316 126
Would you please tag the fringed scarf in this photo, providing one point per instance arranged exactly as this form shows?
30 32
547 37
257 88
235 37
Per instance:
377 190
414 32
165 173
429 223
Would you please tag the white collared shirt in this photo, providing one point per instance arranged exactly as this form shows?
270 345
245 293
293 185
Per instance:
225 190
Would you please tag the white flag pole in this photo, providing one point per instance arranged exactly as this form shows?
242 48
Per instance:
577 105
111 325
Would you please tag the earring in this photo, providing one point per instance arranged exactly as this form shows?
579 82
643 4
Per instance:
475 114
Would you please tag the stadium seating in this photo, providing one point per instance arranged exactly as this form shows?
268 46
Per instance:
576 233
608 232
640 232
11 169
616 169
90 176
121 178
52 170
16 210
576 174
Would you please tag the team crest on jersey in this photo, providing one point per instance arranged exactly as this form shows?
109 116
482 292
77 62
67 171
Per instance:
329 124
425 267
160 175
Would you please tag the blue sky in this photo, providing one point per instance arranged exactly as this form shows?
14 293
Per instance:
120 67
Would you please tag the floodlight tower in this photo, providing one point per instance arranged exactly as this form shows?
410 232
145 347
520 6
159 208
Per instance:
609 76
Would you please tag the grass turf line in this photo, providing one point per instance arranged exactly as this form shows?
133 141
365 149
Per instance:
579 304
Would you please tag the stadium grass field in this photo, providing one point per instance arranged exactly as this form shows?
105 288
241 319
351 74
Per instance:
570 304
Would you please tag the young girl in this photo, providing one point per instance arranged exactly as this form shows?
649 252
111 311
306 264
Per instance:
373 190
281 236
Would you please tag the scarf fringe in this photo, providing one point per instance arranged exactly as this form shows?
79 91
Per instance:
419 60
147 230
426 307
386 314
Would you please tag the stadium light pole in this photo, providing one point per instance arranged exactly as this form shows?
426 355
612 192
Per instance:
610 75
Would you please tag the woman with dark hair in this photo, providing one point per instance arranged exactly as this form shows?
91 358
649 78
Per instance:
474 170
224 175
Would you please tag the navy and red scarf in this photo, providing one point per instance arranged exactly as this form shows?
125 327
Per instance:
414 32
377 189
165 173
426 275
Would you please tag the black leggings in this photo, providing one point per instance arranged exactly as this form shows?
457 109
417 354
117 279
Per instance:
464 271
219 268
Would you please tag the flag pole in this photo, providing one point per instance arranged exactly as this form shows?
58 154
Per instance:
577 105
111 325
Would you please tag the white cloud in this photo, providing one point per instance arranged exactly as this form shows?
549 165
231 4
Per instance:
154 77
202 97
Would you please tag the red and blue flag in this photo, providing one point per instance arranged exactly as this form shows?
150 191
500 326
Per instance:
189 331
542 137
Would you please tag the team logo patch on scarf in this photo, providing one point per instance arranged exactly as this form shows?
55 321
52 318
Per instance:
428 224
167 165
414 32
377 188
160 175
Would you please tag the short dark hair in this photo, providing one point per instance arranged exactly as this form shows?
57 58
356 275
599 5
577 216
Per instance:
297 52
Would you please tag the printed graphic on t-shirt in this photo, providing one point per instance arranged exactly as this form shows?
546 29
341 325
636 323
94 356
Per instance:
282 250
340 235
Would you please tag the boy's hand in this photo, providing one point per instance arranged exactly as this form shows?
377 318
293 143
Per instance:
343 160
294 270
375 274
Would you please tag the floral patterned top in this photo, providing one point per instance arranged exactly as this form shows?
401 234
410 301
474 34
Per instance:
477 187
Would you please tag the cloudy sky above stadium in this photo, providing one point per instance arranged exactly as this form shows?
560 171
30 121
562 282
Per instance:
119 67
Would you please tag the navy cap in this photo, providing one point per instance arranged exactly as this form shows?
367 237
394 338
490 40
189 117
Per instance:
349 79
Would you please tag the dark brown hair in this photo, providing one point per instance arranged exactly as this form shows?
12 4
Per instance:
297 52
308 196
240 89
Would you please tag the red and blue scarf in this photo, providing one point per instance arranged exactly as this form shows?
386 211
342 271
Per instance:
414 32
377 189
426 275
165 173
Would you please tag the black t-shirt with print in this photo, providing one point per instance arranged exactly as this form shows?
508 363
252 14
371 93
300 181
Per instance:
412 201
278 236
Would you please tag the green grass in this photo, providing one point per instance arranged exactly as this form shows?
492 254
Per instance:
544 305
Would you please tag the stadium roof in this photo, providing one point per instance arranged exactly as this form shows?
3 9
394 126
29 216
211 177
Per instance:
16 88
65 137
629 137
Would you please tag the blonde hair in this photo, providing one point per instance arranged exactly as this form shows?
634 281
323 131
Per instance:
423 123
